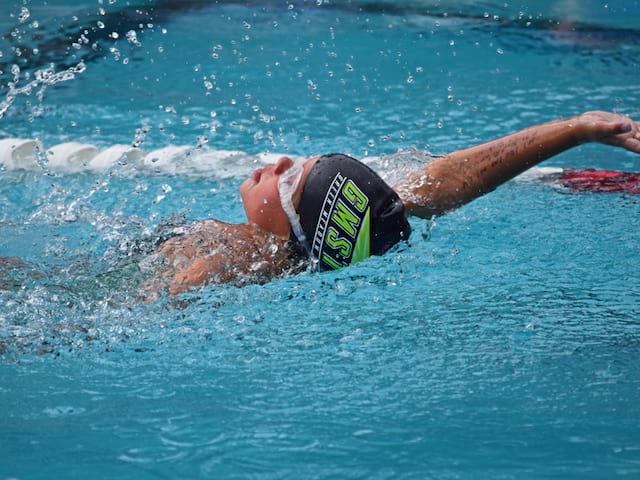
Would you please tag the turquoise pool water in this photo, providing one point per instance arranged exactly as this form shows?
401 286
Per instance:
502 343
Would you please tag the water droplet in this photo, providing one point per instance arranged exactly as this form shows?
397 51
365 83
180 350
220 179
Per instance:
410 79
358 109
371 143
265 201
24 14
450 98
133 38
500 51
100 25
114 35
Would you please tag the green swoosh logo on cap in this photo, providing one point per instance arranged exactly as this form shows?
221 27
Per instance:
362 248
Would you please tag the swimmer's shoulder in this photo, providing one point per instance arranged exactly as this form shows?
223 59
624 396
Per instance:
211 251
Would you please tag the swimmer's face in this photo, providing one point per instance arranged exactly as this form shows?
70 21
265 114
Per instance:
261 199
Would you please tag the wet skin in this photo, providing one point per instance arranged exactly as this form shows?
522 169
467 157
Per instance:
261 199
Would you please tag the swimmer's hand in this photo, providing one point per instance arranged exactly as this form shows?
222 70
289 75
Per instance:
611 129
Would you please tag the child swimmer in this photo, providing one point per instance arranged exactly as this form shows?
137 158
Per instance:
331 211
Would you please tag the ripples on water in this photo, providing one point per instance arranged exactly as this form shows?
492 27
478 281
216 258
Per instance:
503 340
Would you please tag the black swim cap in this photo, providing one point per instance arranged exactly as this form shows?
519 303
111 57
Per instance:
347 212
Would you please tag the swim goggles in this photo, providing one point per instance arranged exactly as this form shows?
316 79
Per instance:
287 184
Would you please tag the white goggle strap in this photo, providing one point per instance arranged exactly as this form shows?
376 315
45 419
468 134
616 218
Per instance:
287 185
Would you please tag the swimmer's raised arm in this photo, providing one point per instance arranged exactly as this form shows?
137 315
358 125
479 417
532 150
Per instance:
461 176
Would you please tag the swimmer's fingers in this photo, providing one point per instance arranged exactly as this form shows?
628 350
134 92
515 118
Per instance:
625 135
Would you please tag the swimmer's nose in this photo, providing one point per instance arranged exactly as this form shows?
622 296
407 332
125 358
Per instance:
282 165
